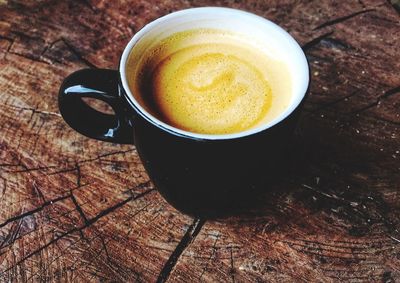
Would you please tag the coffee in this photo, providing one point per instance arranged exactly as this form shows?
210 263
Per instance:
209 81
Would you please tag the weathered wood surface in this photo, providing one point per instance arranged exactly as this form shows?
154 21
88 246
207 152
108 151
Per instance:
75 209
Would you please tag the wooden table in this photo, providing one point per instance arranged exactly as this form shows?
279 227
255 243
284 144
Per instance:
76 209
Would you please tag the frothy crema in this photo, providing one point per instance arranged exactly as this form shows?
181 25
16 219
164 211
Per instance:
209 81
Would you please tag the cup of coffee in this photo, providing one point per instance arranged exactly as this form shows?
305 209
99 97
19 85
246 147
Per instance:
210 98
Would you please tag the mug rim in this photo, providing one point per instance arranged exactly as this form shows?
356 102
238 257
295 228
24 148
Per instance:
187 134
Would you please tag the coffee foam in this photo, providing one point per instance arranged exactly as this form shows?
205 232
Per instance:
209 81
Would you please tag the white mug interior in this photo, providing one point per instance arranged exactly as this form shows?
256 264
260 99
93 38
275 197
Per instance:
280 44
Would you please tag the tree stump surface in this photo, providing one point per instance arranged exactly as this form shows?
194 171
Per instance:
79 210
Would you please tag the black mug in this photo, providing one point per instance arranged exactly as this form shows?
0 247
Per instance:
198 174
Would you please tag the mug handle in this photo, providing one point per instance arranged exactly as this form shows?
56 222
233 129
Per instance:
99 84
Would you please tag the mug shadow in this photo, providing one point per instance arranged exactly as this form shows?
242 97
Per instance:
322 173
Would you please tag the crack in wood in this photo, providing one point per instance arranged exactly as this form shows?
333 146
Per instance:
24 35
33 110
78 175
315 41
390 92
322 251
350 271
335 44
79 162
104 244
330 104
64 170
6 38
33 211
344 244
386 94
11 42
46 60
158 248
188 238
28 56
38 192
213 251
9 165
120 204
4 189
12 234
69 47
36 111
78 54
78 207
49 46
361 212
379 18
352 257
47 203
134 215
351 278
232 271
105 155
69 247
77 229
83 237
37 137
342 19
358 274
73 244
26 169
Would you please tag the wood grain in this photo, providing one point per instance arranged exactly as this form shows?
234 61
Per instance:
79 210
